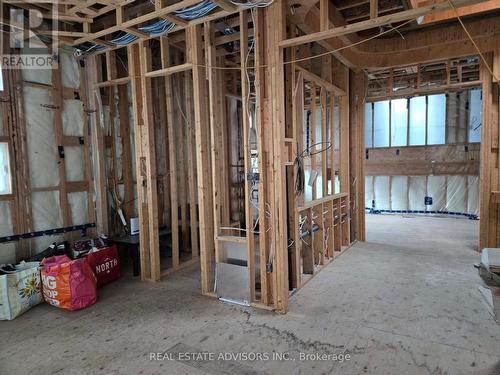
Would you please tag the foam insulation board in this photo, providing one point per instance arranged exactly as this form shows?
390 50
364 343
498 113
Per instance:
73 117
436 189
74 163
473 195
416 193
46 210
70 72
399 193
78 206
369 197
42 151
456 194
382 193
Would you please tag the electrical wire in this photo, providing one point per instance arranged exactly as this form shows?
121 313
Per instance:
251 4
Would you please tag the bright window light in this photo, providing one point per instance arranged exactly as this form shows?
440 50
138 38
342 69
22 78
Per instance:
381 124
368 125
436 119
399 122
417 121
475 116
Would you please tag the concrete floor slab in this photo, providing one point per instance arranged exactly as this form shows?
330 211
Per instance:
404 302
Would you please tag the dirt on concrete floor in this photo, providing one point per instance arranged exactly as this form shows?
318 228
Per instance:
406 302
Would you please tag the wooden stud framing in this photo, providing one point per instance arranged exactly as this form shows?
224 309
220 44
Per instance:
245 88
202 132
139 62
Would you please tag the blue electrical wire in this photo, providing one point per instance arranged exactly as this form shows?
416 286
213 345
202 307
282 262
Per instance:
163 26
196 11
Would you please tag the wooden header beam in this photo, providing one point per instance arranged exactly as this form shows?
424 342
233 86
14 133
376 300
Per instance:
372 23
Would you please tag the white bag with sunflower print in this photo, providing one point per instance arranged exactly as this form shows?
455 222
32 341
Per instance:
20 290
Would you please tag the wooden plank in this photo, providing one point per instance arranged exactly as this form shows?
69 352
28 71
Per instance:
372 23
172 154
169 70
194 53
312 137
324 15
98 157
373 9
215 129
128 180
276 31
139 62
320 81
324 155
487 220
226 5
344 161
263 141
245 110
57 100
193 214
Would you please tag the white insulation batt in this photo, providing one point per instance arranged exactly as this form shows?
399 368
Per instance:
369 197
72 117
46 210
78 203
8 250
37 75
382 192
449 194
42 149
43 157
399 191
416 193
70 73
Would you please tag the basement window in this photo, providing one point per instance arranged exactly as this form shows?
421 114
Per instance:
369 125
436 119
381 124
475 115
5 176
417 121
399 122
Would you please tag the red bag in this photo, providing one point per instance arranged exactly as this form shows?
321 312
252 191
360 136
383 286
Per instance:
68 284
105 263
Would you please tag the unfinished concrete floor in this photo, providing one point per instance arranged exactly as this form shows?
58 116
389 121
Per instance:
411 307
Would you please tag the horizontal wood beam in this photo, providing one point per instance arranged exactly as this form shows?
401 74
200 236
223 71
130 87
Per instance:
170 70
226 5
320 81
426 90
372 23
141 19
